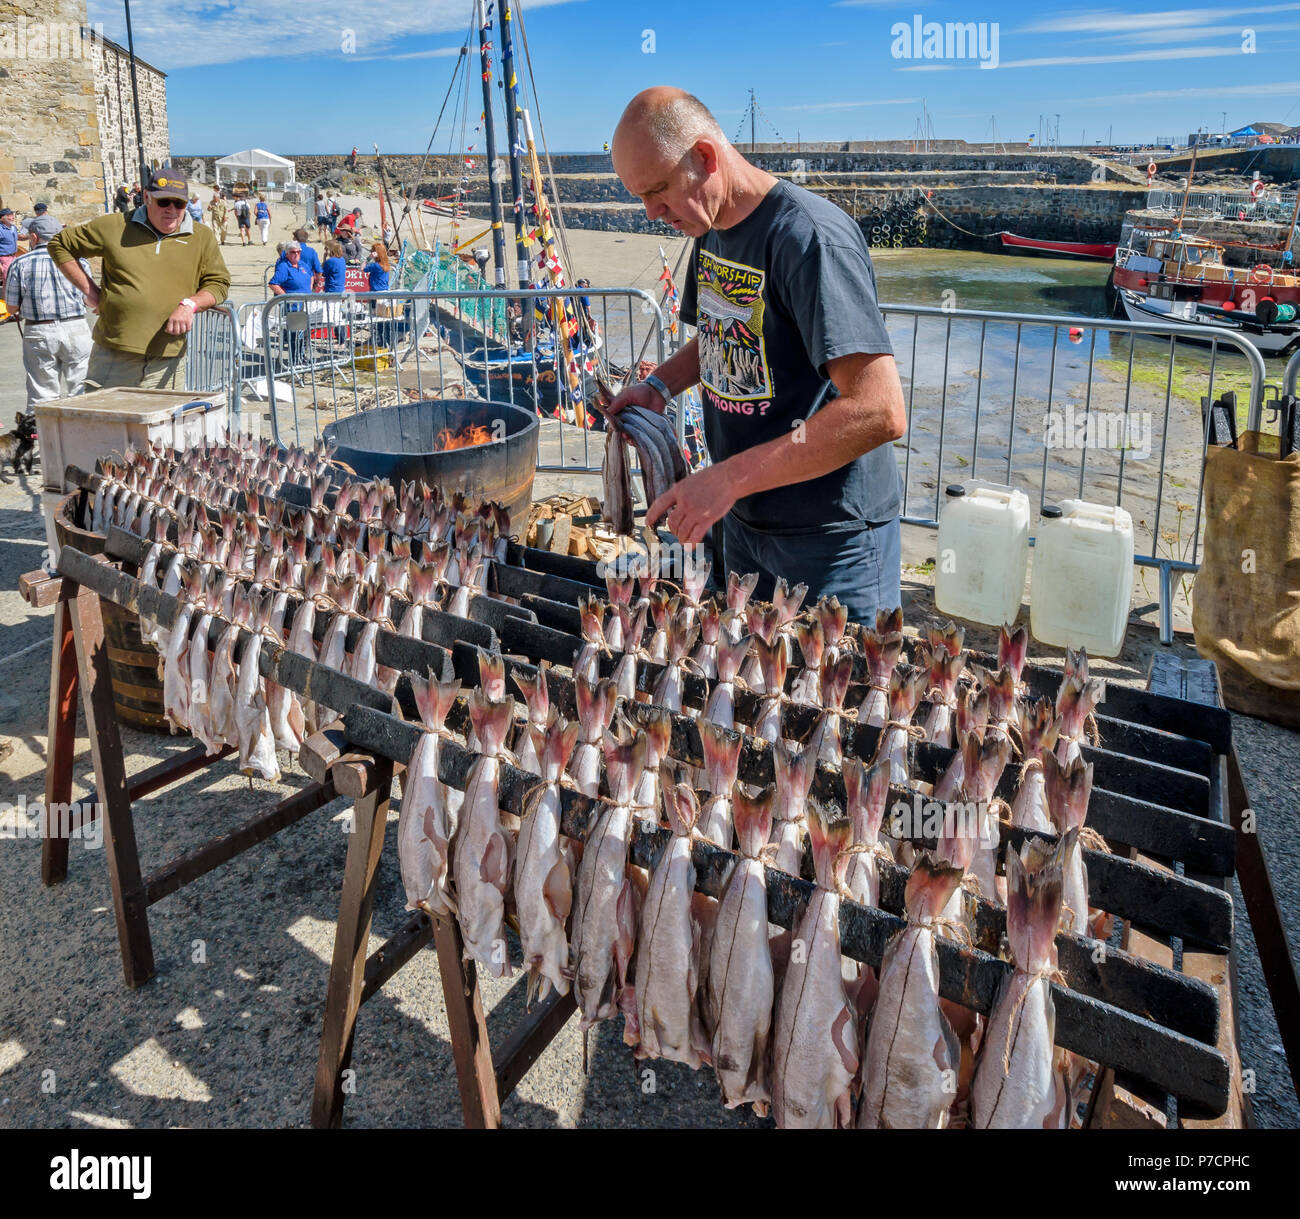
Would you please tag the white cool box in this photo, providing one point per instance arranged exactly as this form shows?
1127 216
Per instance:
79 431
1083 565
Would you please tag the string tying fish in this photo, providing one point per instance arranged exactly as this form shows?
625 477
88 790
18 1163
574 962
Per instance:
1050 974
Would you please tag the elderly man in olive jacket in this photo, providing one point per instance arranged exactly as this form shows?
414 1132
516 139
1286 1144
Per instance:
160 269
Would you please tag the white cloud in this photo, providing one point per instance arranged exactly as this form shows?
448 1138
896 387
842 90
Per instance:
1108 21
194 33
1193 32
1052 61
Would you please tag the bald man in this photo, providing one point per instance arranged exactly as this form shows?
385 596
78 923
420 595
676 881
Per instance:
800 392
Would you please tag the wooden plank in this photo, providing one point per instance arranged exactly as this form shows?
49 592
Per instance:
581 571
320 751
395 952
348 966
60 745
529 1037
179 872
130 906
1275 953
516 581
480 1104
1218 970
354 775
38 588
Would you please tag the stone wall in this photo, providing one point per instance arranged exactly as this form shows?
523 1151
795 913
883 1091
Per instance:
117 131
1275 162
1054 213
1030 166
1060 213
49 149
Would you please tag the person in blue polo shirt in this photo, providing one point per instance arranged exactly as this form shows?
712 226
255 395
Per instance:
309 260
290 275
334 268
291 278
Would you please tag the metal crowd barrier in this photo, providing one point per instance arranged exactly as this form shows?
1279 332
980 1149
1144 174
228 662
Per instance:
213 356
984 391
1290 372
326 357
1222 203
1017 398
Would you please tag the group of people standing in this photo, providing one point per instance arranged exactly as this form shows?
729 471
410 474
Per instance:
300 269
244 210
159 268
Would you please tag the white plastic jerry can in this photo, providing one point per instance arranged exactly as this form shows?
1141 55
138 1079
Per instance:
1083 577
979 572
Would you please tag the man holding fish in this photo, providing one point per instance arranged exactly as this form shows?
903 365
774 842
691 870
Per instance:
802 400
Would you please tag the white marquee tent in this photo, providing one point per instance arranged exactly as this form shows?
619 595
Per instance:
256 165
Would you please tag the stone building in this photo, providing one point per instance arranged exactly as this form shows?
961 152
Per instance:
68 124
117 140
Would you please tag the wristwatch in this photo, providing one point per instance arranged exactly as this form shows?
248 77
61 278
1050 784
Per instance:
660 388
193 308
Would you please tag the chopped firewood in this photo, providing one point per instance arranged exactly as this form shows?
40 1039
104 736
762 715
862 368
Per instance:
563 530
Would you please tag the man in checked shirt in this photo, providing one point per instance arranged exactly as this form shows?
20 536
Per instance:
52 316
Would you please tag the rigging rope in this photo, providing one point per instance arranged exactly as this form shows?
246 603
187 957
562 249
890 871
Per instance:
461 59
541 131
969 232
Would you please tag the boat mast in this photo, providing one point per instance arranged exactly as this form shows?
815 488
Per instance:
494 196
522 261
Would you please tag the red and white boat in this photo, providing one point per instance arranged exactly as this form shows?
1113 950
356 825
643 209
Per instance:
1177 278
1069 249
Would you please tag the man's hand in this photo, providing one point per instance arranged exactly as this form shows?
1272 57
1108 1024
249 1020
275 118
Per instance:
181 320
92 296
637 395
691 507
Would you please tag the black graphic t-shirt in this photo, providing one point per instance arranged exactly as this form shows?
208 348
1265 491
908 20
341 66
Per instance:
773 299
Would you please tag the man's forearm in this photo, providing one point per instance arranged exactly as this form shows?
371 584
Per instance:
75 275
203 299
682 370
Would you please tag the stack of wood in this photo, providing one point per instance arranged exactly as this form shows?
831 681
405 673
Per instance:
570 524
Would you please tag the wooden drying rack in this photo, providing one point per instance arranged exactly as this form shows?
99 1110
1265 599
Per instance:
1159 1028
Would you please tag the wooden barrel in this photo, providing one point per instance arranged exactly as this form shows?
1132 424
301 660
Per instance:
134 666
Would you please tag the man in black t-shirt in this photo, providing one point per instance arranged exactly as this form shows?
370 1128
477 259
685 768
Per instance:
801 396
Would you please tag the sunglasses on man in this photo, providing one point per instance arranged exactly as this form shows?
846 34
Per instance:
166 204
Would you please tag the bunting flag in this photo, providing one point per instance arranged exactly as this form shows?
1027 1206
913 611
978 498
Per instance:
672 305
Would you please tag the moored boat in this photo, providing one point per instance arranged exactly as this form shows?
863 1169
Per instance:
1070 249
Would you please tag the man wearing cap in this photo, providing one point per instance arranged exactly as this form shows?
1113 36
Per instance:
159 270
8 240
52 316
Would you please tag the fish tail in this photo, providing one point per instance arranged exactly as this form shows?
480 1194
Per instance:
751 813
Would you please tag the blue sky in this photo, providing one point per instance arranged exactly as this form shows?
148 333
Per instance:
274 74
